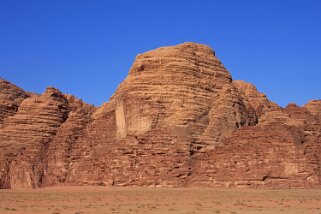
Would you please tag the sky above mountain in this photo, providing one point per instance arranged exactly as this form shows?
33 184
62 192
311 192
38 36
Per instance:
86 48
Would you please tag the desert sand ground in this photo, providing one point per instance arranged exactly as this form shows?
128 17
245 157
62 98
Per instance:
76 200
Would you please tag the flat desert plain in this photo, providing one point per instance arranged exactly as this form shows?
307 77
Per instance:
84 199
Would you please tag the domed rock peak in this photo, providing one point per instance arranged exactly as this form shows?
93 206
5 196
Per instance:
184 88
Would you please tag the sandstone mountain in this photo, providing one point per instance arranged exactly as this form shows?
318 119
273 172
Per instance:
177 120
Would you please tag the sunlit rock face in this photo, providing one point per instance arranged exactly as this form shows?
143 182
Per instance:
177 120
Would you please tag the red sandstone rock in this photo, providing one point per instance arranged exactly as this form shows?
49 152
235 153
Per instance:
10 98
178 119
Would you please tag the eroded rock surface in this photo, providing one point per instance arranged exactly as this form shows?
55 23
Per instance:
178 119
10 98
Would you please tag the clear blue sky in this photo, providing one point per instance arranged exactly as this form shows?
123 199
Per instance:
86 48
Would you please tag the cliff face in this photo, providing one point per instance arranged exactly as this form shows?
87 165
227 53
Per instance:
178 119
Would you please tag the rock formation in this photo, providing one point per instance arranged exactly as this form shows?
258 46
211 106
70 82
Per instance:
177 120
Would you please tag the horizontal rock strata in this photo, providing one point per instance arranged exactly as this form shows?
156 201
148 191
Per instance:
177 120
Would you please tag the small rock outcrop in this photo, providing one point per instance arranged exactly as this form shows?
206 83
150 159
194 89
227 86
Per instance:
10 98
177 120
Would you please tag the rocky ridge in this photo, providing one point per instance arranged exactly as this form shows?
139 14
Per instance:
177 120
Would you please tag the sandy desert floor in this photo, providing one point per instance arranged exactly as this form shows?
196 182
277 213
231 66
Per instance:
78 200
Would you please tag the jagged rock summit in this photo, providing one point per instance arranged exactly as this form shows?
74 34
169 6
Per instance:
177 120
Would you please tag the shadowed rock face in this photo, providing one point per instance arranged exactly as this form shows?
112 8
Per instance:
178 119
